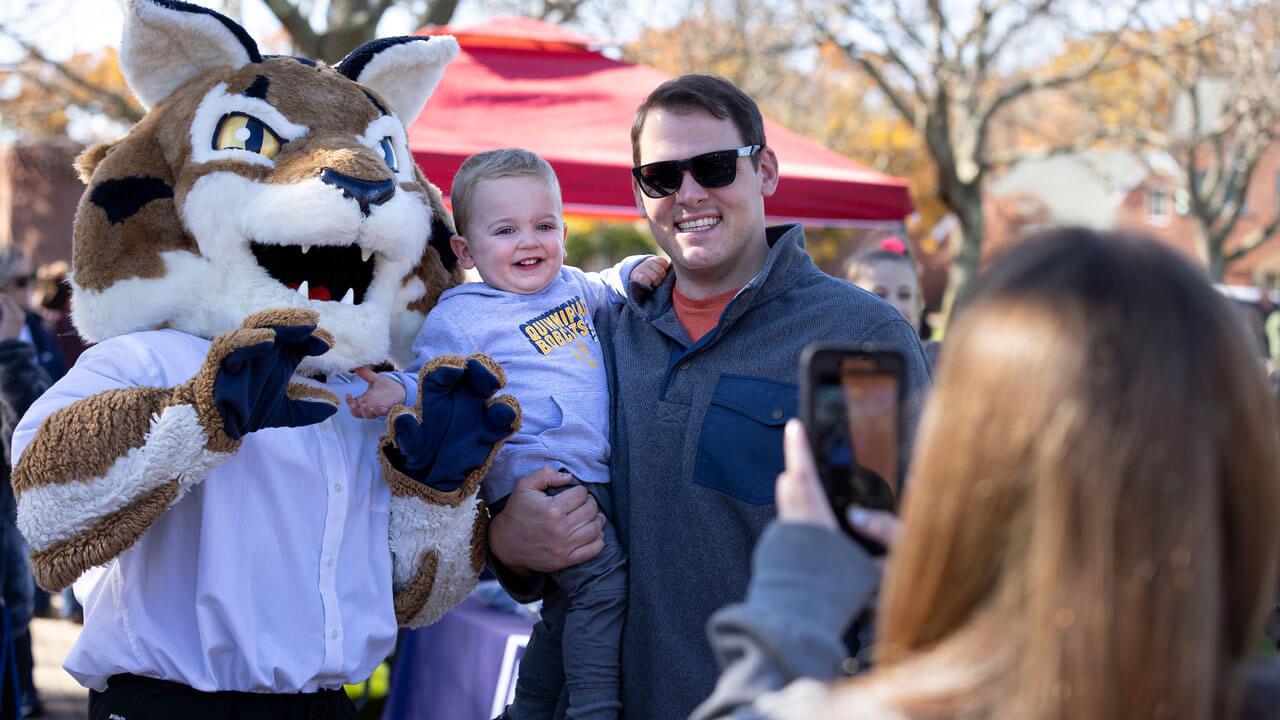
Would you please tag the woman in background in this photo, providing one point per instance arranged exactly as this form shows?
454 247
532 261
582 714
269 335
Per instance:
1091 530
889 272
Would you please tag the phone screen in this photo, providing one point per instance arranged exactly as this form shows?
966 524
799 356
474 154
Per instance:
854 431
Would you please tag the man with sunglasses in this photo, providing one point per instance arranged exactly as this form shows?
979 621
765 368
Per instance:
702 373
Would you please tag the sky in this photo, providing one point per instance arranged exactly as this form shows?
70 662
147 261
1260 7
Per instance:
64 27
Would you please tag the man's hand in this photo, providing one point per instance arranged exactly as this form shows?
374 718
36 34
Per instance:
541 533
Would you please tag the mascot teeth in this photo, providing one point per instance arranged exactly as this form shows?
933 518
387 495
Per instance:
319 272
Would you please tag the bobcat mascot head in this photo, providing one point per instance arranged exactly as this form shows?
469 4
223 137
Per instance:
259 182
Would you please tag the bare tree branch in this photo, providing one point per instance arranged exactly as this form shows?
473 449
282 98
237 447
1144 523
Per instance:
120 105
304 37
955 91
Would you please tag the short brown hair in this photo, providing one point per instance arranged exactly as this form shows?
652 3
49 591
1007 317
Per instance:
491 165
711 94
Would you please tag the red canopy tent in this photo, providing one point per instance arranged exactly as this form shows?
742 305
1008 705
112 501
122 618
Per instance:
519 82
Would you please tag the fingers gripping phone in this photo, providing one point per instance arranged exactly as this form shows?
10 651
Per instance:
851 404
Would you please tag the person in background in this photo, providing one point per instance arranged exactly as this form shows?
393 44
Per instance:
51 296
52 299
24 343
18 280
1090 530
889 272
702 376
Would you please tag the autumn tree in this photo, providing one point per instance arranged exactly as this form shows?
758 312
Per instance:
346 24
950 69
45 97
42 96
1201 91
767 51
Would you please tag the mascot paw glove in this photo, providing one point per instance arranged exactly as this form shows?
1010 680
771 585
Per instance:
457 425
252 389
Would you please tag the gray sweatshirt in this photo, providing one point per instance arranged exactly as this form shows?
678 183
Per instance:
547 346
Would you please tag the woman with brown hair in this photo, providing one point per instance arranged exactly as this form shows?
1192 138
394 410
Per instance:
1091 527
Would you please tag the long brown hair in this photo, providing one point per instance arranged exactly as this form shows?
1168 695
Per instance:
1091 529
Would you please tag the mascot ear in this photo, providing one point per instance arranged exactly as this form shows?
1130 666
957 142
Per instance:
167 42
404 71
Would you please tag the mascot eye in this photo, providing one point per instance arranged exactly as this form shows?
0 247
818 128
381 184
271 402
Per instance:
245 133
389 154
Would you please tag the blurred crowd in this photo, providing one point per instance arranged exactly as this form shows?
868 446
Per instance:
37 344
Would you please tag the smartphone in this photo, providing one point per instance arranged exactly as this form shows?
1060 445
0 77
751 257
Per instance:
851 403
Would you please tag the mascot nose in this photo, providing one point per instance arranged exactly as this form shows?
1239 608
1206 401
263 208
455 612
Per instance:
364 192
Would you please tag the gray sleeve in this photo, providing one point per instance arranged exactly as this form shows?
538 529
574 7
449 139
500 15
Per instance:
808 584
608 286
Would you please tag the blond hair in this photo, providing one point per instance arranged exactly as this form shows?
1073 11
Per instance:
859 264
1091 527
491 165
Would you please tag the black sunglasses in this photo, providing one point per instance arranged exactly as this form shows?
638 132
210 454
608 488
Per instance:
711 170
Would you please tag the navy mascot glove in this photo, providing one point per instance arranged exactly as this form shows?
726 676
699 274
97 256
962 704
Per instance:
458 423
251 369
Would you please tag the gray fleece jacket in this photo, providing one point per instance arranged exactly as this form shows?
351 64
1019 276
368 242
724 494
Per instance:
697 447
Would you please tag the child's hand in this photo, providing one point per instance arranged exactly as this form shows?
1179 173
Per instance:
651 271
382 395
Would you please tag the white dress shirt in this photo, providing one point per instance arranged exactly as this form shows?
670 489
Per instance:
273 574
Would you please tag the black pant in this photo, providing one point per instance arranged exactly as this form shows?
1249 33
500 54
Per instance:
130 697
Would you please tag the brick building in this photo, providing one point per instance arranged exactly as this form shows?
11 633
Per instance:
39 191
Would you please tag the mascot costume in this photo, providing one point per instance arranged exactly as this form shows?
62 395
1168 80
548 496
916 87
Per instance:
231 527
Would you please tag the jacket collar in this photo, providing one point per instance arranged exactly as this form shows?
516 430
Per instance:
786 256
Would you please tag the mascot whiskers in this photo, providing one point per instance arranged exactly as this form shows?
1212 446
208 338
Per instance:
260 233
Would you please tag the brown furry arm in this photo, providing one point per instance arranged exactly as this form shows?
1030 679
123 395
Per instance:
101 470
437 538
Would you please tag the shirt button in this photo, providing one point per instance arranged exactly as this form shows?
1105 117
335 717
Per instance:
850 666
684 366
334 634
329 562
337 487
777 414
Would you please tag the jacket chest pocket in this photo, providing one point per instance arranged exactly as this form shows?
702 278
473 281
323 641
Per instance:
740 447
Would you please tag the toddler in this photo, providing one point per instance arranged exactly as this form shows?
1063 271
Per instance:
533 315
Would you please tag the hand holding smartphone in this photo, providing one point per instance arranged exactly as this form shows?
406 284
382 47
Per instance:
851 399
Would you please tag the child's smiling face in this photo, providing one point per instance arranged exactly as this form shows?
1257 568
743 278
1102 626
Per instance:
515 234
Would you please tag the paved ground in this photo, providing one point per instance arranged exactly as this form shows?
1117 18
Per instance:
63 698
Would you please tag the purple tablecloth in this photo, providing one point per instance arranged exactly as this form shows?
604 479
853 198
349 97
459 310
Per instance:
461 668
